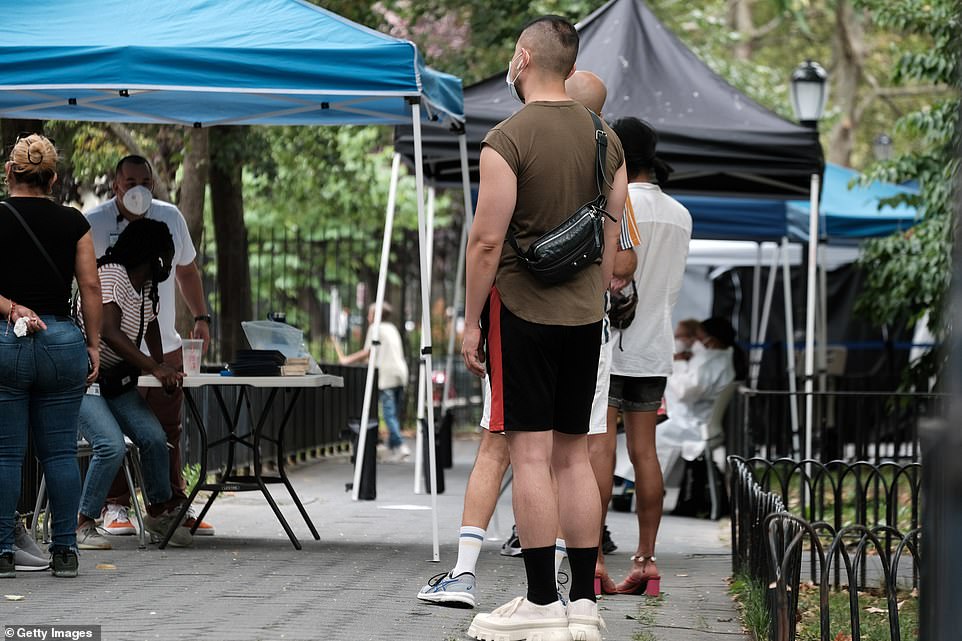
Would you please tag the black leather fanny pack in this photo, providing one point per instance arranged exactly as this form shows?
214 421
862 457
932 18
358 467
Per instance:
579 241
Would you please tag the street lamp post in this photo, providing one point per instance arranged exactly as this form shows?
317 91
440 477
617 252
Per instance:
882 147
809 91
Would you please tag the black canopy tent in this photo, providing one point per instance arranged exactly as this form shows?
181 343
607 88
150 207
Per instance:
719 141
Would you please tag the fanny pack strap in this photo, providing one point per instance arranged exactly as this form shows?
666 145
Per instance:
601 155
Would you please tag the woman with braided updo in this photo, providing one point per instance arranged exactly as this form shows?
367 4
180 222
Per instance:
45 362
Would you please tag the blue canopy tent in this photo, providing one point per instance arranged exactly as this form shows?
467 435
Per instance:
850 211
200 63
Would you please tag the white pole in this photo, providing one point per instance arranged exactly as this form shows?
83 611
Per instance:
756 286
810 314
425 379
423 236
459 275
790 344
766 312
375 332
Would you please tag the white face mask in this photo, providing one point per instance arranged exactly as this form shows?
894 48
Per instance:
137 200
697 347
681 346
511 88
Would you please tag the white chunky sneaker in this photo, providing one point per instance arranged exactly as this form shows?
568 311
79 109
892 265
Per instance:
521 620
584 622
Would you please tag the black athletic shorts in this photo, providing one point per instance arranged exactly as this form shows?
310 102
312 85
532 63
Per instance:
542 377
636 393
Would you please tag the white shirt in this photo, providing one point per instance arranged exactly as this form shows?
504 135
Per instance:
104 227
392 369
645 348
690 398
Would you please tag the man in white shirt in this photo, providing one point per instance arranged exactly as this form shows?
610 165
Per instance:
107 221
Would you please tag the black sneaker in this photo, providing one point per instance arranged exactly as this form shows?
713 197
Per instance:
607 545
64 562
8 568
512 547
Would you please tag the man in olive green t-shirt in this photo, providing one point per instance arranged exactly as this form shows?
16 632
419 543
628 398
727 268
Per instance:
540 346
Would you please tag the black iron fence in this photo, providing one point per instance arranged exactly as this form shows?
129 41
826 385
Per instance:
847 425
324 279
857 535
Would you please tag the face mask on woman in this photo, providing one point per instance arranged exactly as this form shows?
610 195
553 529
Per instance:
682 346
697 347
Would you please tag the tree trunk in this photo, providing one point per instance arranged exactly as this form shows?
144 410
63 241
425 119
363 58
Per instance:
190 199
848 46
742 21
230 233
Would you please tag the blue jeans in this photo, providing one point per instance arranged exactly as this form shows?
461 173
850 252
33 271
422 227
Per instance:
391 400
104 422
42 378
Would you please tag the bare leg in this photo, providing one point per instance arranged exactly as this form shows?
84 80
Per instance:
601 451
536 518
481 495
649 486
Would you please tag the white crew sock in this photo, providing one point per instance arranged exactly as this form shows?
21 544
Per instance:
469 547
560 552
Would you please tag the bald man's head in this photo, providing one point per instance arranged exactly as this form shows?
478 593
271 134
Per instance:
588 89
552 44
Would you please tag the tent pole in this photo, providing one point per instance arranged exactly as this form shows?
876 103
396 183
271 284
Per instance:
790 346
425 379
810 314
766 312
459 274
375 332
756 287
423 233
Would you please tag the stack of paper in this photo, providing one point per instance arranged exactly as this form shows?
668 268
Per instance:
295 366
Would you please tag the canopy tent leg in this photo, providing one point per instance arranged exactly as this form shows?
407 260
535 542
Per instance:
790 346
756 287
758 352
423 237
810 314
425 380
459 274
375 333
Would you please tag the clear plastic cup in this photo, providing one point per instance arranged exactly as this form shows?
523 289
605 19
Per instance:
193 350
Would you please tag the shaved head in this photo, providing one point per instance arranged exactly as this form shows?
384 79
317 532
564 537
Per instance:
552 43
588 89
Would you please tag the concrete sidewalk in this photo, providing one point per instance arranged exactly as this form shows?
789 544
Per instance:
359 581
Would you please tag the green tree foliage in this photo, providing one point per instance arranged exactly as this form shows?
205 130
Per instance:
908 273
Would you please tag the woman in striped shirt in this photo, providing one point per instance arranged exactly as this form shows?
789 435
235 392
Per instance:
130 273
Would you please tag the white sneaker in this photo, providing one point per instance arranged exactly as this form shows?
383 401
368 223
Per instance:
584 622
520 619
116 521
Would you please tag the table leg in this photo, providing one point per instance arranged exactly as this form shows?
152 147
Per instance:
257 468
281 462
202 430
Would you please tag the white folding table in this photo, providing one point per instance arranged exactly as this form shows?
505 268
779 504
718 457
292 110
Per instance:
229 481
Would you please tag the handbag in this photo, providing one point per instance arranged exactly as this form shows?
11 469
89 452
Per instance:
579 241
123 376
622 310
